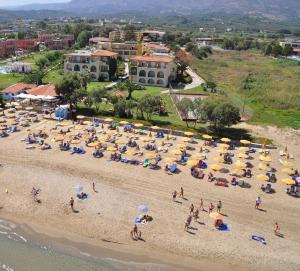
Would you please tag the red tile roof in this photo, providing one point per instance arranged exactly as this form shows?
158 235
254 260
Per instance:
45 90
297 50
165 59
157 46
104 53
16 88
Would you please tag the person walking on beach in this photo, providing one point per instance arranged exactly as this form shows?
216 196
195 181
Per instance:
277 229
192 208
181 192
135 233
94 188
219 206
174 194
72 204
211 208
196 215
201 204
188 223
257 202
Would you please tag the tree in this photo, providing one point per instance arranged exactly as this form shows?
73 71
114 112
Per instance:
113 66
211 86
149 105
190 46
70 87
96 96
268 50
36 77
287 50
197 109
42 62
185 107
276 50
220 113
129 86
83 39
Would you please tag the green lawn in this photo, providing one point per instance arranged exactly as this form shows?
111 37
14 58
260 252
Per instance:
9 79
273 96
97 85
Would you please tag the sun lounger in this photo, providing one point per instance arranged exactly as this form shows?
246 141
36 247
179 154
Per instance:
259 239
173 168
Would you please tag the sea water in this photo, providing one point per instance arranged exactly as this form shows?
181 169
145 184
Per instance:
18 253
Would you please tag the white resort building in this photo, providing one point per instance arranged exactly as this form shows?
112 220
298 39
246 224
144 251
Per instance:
97 63
153 70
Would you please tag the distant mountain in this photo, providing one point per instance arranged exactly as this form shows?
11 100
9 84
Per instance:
272 9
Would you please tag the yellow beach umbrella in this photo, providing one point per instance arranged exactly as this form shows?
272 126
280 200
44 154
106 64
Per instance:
104 137
208 137
2 120
29 108
3 128
288 181
169 159
145 138
198 156
287 164
216 167
87 122
124 122
242 155
189 133
120 141
243 148
265 158
262 177
150 155
93 144
138 125
240 164
192 163
71 134
246 142
75 141
186 139
264 167
59 138
223 145
80 117
108 120
14 123
223 151
181 146
225 139
111 148
176 152
78 127
155 127
218 159
216 216
289 171
238 172
130 152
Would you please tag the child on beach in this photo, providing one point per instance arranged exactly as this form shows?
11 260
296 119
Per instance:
201 204
257 202
219 206
211 208
174 195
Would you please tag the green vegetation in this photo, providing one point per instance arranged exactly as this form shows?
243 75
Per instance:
265 89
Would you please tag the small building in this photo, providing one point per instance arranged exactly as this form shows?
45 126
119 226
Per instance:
295 44
20 67
43 90
125 50
10 92
96 62
154 48
153 70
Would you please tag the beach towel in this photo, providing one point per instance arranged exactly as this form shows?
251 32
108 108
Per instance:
224 227
259 239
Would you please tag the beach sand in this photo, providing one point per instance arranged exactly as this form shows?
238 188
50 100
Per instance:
106 218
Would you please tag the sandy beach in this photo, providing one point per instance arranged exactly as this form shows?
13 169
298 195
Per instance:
106 218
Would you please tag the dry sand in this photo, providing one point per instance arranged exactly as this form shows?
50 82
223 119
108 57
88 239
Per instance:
109 214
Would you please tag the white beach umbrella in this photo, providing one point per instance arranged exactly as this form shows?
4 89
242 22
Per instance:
143 208
78 188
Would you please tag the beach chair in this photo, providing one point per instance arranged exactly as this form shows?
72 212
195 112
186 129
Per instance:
173 168
146 163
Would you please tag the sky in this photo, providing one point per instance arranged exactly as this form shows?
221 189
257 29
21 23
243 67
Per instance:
24 2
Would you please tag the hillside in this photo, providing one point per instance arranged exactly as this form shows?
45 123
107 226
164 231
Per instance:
274 9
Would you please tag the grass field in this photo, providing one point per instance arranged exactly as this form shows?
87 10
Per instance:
273 94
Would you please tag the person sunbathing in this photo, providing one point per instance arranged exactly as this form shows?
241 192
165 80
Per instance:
45 146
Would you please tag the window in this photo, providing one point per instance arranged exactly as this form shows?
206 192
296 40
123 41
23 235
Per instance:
160 74
151 82
142 73
104 68
93 69
76 68
151 74
69 67
160 82
142 81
